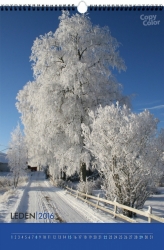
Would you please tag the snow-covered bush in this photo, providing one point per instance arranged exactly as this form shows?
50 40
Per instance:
69 184
5 181
8 181
62 183
59 183
24 178
129 150
74 178
87 186
98 183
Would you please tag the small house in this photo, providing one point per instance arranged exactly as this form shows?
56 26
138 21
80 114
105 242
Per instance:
32 168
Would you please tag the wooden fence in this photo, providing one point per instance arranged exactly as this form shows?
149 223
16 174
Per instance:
115 204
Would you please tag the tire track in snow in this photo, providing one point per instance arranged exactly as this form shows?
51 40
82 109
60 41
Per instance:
65 211
41 196
47 206
77 205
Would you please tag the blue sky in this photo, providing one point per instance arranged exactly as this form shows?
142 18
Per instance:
142 48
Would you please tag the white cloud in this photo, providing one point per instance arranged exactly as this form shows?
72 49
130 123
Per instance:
148 103
155 107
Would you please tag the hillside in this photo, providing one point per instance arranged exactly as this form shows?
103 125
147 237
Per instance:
3 158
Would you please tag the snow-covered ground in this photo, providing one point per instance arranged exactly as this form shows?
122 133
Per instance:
156 201
42 197
39 195
9 201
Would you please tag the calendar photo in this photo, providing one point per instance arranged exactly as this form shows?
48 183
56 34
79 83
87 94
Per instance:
82 116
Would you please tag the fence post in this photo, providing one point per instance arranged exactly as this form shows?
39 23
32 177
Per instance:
98 201
115 208
105 202
86 196
149 213
77 194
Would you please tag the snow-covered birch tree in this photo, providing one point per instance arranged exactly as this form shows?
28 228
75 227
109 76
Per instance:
72 74
129 152
17 155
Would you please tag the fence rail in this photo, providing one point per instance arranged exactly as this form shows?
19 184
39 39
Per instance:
115 204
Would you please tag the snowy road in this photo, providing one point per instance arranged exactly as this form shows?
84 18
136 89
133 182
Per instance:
40 196
54 205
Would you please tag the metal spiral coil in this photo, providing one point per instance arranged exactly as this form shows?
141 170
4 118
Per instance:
73 8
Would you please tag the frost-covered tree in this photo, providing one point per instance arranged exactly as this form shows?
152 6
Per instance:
129 151
17 155
73 74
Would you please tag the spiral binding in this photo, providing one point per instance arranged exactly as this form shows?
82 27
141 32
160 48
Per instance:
36 7
73 8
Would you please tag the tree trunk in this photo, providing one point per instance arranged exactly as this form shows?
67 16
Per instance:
17 181
63 175
83 171
14 182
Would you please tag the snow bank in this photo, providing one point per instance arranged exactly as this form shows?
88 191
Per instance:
9 202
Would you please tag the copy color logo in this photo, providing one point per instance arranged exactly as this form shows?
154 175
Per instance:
149 20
